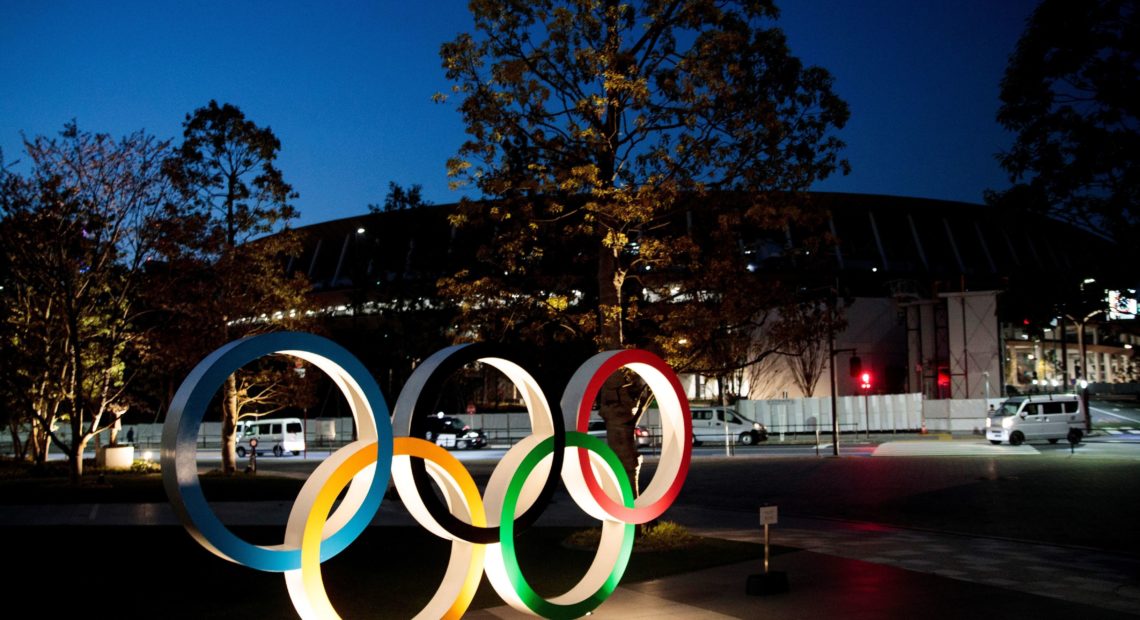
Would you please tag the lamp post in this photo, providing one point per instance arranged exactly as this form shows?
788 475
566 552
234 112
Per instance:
1085 404
831 351
1080 323
831 377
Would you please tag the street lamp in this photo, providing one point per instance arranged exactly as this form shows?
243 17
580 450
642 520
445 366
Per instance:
1084 385
831 351
831 377
1080 323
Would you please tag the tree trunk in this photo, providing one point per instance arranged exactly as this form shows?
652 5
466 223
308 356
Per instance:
19 448
38 440
229 426
618 408
618 405
75 464
76 396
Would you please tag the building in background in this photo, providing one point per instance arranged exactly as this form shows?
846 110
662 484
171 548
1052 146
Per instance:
947 299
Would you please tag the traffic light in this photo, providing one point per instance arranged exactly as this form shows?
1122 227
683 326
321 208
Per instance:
856 366
865 380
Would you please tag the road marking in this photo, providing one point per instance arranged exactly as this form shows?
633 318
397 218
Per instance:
1115 415
950 448
1113 431
94 512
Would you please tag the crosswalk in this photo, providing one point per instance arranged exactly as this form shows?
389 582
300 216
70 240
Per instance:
951 448
1122 430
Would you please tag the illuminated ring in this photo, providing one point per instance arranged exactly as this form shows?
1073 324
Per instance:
409 419
465 568
593 475
613 552
676 435
180 438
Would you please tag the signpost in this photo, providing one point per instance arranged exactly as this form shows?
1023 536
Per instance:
768 582
252 456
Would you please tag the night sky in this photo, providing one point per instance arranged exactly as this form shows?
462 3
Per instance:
347 86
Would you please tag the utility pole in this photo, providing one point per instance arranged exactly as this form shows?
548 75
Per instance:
831 373
831 352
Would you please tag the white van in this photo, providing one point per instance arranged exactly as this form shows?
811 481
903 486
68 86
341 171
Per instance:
1040 416
278 436
709 424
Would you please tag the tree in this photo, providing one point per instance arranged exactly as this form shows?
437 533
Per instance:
1071 94
78 232
234 278
803 333
398 198
614 139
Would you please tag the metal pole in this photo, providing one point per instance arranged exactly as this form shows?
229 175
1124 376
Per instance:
767 541
724 412
831 367
1064 353
1085 405
1081 350
867 412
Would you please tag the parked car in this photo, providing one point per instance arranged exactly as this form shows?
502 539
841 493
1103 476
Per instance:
275 435
451 432
641 434
709 423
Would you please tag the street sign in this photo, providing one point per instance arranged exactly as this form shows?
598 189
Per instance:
768 515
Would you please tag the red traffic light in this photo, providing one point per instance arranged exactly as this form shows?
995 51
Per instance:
865 380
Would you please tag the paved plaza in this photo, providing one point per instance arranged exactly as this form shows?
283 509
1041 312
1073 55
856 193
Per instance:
1043 536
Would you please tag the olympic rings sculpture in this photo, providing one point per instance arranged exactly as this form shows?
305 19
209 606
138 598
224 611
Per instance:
481 528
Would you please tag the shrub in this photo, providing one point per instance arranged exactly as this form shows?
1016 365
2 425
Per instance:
141 466
664 536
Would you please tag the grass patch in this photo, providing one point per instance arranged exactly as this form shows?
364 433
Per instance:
662 536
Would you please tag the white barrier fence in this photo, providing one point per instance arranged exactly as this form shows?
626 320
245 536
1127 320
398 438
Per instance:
879 413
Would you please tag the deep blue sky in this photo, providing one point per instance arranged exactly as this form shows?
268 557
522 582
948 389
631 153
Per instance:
347 86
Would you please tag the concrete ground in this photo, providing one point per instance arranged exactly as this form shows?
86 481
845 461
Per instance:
848 567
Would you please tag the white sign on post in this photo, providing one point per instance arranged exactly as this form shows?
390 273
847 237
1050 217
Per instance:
768 515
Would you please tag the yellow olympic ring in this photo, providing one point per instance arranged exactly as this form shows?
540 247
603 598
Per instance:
306 588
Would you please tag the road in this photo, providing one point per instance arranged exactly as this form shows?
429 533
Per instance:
1102 444
1119 421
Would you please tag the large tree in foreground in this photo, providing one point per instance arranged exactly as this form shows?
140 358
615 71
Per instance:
232 270
610 136
1071 94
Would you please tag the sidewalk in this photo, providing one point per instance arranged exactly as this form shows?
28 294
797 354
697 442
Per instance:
841 569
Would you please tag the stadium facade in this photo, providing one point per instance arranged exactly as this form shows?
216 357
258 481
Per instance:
951 300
